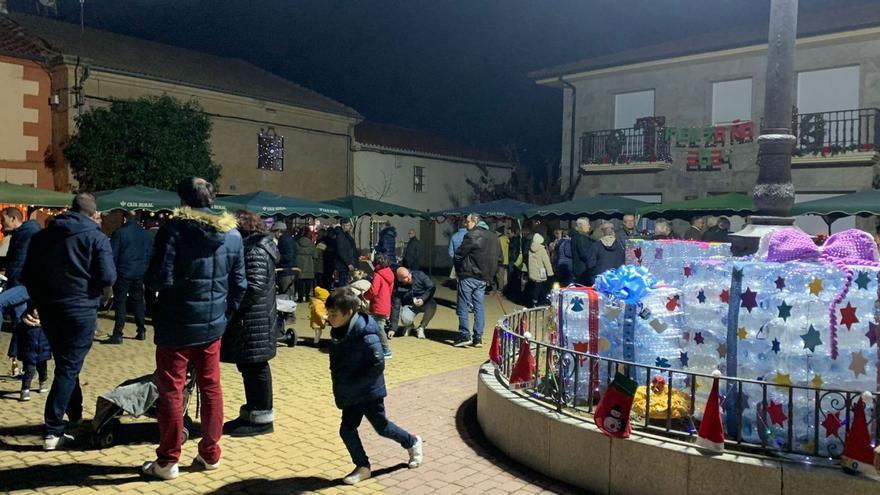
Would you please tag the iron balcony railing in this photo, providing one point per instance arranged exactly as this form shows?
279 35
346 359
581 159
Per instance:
642 143
573 382
831 133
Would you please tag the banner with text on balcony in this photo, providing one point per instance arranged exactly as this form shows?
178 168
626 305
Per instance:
710 147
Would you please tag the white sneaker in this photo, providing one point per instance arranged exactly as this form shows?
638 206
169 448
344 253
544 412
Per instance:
152 469
200 464
420 333
359 474
51 442
415 454
317 336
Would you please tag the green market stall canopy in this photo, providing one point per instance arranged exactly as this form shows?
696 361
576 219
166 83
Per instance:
863 203
602 206
267 203
361 206
722 204
502 208
136 198
31 196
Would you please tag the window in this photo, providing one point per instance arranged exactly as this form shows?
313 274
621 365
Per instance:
418 179
631 106
270 150
731 101
828 90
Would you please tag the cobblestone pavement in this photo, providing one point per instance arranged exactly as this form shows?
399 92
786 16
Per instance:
432 390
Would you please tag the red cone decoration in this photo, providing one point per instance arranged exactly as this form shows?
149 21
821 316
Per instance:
524 369
858 455
711 435
495 348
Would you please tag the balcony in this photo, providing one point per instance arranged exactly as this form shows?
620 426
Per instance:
636 148
844 137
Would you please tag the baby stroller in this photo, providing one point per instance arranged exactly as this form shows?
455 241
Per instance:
137 397
286 309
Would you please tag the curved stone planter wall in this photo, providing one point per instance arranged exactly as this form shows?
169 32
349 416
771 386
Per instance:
576 452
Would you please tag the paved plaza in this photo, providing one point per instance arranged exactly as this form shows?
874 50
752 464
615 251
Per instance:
431 388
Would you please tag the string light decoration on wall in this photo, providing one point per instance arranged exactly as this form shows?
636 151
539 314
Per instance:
270 150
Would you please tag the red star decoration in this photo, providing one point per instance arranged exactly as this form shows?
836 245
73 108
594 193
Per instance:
687 271
672 303
832 424
777 415
725 296
848 315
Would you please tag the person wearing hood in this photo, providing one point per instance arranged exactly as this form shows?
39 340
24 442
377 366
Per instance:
476 262
249 341
357 370
68 267
306 258
387 244
540 269
15 296
379 296
198 270
132 247
607 253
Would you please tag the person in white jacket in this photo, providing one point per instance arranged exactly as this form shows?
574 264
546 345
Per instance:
540 270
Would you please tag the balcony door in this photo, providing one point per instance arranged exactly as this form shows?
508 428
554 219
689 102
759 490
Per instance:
827 103
628 107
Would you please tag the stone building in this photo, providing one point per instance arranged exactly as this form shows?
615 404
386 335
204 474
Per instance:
63 72
677 120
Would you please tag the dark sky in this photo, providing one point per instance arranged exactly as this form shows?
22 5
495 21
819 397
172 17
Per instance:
453 67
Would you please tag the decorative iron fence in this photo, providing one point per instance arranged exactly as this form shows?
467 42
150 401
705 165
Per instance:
642 143
831 133
573 382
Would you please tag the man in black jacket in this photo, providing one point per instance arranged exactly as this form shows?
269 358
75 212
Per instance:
416 290
132 247
287 263
198 269
413 252
341 253
581 246
476 262
15 296
68 266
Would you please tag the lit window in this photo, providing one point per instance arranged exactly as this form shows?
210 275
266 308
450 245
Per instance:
419 179
628 107
731 101
270 150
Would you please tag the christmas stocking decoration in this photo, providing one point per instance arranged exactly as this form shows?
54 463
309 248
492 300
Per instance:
711 435
858 456
495 348
524 369
612 413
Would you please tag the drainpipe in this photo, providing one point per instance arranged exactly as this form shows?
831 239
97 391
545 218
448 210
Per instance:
571 125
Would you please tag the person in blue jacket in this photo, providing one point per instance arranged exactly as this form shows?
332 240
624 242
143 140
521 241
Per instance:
68 266
132 247
357 367
15 296
454 242
387 244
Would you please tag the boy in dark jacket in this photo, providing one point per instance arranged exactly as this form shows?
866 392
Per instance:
357 370
34 353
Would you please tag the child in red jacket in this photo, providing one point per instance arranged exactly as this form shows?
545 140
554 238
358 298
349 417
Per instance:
379 294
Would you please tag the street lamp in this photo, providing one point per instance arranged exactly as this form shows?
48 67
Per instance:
774 191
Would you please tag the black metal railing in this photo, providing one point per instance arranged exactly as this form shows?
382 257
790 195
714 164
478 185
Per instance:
831 133
758 416
642 143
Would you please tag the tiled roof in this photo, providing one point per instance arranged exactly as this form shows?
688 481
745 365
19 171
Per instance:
830 20
14 40
404 139
115 52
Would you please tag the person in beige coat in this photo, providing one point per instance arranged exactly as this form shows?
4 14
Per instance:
540 270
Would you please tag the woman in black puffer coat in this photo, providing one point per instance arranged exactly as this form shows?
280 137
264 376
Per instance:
249 341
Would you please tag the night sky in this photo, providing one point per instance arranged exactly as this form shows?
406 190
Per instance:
455 68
